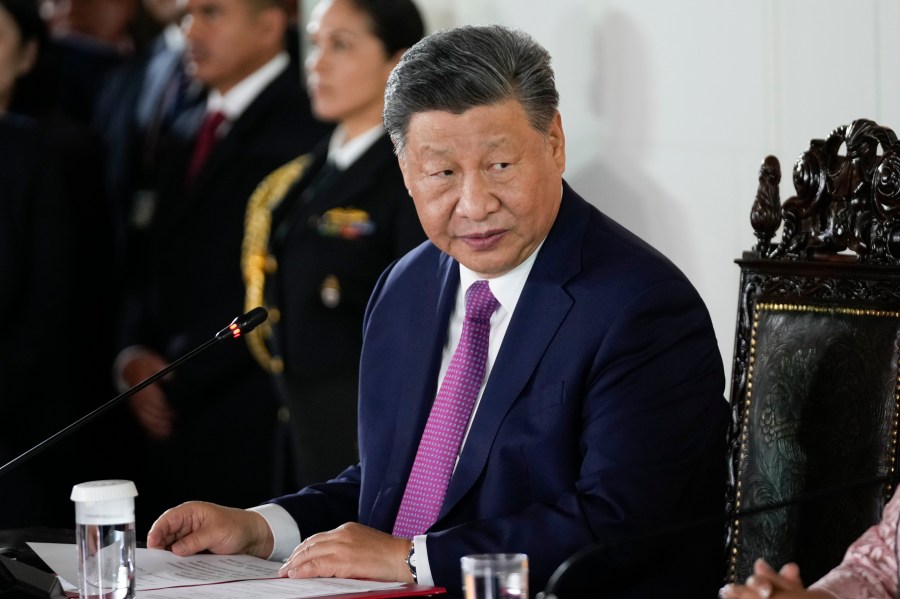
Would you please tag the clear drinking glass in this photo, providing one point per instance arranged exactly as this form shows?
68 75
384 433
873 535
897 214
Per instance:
495 576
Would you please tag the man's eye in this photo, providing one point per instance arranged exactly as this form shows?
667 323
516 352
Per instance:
442 173
500 166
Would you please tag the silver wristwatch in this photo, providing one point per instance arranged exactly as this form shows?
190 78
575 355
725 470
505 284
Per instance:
411 562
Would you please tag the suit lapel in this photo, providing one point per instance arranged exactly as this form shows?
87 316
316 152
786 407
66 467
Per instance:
173 196
346 188
283 215
244 127
357 177
426 349
541 309
221 154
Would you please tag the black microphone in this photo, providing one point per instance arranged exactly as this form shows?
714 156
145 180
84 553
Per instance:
243 324
240 326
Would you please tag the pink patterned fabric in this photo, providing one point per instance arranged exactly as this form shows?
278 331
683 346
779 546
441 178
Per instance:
439 446
869 568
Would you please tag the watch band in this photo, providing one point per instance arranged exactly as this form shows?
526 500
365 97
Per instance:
411 561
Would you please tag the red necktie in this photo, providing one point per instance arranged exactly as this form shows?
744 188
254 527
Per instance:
206 139
449 418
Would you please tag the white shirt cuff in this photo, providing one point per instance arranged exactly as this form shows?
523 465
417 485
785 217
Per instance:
284 529
423 568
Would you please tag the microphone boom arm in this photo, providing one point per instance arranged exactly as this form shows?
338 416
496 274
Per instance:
239 326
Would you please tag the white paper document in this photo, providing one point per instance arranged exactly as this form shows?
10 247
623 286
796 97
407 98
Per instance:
281 588
161 574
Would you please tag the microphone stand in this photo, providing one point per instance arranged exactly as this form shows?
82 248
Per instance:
21 580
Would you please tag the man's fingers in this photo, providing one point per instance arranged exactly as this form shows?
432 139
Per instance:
188 545
169 528
312 565
319 555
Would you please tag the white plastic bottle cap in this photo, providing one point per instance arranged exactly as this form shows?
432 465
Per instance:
104 502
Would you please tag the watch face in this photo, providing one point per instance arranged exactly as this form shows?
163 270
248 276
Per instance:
412 559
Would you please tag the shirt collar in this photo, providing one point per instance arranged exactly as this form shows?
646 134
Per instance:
507 287
241 95
343 153
173 37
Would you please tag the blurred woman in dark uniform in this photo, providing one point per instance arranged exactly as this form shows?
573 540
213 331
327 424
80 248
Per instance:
321 229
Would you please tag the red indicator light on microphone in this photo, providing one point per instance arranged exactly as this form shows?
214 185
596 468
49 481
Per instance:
235 330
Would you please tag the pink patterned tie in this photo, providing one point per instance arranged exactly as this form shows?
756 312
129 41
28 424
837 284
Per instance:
448 419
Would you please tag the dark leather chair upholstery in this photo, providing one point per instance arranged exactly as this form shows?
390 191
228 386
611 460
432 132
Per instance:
815 388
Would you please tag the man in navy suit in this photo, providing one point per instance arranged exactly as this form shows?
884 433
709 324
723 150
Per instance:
600 417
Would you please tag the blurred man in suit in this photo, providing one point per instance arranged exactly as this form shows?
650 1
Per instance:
137 107
533 379
220 414
89 39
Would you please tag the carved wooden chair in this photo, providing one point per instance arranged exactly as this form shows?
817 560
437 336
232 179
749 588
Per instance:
815 388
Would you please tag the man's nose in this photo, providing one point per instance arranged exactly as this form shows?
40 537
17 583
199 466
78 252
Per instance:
476 199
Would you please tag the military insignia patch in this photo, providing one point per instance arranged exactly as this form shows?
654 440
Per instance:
348 223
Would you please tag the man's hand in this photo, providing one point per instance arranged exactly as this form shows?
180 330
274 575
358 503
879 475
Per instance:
150 405
350 551
153 412
198 526
766 582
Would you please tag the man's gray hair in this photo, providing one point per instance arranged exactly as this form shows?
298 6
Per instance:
465 67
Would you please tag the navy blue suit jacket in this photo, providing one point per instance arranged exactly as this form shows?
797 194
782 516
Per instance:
603 418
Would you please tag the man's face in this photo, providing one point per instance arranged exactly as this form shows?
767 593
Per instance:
227 40
486 185
108 21
163 11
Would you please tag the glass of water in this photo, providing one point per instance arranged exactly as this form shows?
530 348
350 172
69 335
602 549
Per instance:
495 576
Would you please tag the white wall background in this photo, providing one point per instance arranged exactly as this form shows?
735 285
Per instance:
670 106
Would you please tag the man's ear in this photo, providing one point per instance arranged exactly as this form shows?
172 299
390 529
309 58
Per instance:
404 169
27 57
273 24
557 141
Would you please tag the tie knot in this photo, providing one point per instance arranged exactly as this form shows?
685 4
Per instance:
480 302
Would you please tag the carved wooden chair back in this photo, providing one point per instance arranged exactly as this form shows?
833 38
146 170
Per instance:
815 388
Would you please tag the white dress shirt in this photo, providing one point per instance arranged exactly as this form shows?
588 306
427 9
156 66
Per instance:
236 100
